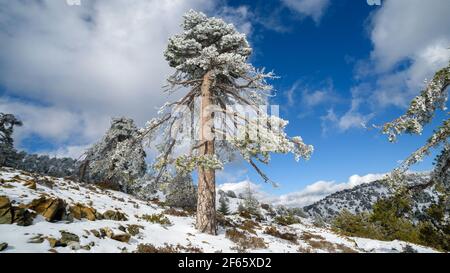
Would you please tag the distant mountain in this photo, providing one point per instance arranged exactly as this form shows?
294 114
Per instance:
361 198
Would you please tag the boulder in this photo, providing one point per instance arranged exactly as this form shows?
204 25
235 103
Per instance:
86 247
74 245
31 184
54 242
6 214
106 231
96 233
53 209
121 237
67 238
36 240
114 215
80 211
3 246
22 216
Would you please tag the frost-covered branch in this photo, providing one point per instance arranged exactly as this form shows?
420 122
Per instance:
422 108
420 113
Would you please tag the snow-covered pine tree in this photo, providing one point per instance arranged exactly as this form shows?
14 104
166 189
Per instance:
181 192
118 158
8 154
210 58
421 112
224 208
251 204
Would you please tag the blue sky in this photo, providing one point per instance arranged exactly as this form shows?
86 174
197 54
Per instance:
343 66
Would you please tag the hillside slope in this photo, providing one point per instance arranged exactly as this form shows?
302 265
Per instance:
361 199
45 214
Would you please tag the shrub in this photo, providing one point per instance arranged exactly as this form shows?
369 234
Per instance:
175 212
388 222
244 241
149 248
306 236
356 225
157 219
134 230
287 220
273 231
249 226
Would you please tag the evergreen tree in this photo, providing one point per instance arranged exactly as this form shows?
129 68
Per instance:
211 61
8 154
223 206
251 204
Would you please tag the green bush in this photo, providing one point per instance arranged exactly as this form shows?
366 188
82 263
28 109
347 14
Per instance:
388 221
157 219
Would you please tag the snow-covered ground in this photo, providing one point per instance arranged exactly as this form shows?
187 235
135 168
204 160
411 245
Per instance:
180 233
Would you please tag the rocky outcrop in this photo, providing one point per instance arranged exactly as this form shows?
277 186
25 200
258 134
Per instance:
23 216
121 237
6 214
3 246
67 238
80 211
53 209
31 184
10 214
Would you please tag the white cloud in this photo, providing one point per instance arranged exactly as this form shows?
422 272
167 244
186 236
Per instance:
414 32
304 197
49 122
75 67
311 96
240 17
410 42
69 151
312 8
351 119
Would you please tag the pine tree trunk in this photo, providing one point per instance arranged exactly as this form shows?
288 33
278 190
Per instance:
206 202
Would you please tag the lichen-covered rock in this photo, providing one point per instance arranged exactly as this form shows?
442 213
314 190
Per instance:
3 246
53 209
80 211
6 215
67 238
96 233
31 184
121 237
22 216
106 232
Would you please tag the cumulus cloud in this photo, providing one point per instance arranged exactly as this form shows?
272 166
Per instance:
71 68
310 194
406 51
351 119
49 122
312 96
410 41
313 8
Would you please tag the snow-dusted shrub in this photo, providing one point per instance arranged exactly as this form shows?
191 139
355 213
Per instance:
181 192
